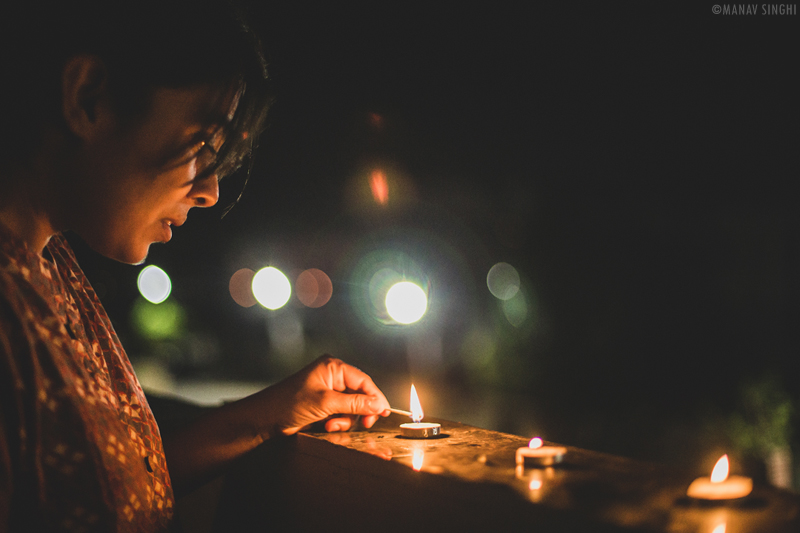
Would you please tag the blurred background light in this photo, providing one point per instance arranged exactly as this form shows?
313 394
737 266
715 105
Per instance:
379 187
313 287
241 287
271 288
503 281
375 273
158 322
154 284
516 309
406 302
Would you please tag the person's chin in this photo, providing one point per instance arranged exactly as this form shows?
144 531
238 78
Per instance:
133 254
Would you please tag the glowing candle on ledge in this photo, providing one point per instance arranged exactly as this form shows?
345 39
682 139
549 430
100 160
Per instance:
535 454
720 486
419 430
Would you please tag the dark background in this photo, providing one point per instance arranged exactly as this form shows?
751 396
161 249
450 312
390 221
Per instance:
636 164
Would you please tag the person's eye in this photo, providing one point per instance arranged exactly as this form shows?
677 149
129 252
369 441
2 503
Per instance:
205 156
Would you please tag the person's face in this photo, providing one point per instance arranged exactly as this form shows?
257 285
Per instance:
141 180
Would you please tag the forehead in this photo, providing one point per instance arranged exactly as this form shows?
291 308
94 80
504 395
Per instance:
201 107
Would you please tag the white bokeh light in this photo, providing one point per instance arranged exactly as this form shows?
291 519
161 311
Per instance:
503 281
154 284
406 302
271 288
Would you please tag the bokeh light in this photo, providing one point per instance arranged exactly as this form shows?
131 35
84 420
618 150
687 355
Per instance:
503 281
158 322
379 187
313 287
516 309
373 275
406 302
271 288
241 287
154 284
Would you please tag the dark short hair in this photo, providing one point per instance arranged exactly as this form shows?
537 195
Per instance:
145 44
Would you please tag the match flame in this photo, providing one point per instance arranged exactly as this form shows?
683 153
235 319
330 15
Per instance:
535 442
720 472
418 455
416 409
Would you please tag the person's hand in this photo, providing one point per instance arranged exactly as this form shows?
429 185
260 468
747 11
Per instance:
329 390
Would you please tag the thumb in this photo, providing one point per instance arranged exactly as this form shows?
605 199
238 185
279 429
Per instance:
354 404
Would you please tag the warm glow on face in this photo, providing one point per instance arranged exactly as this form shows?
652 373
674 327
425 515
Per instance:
720 472
535 442
416 408
417 458
379 186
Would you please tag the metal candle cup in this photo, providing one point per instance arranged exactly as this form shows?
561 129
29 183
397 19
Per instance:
420 430
535 454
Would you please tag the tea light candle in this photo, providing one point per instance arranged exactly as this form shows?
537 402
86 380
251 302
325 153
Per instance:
720 486
535 454
419 429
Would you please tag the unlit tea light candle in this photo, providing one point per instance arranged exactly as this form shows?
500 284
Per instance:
536 454
720 486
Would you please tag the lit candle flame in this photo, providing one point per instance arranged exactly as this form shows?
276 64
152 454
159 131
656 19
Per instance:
536 484
535 442
417 458
416 409
720 472
720 528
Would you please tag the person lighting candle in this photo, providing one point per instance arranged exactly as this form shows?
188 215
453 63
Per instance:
118 119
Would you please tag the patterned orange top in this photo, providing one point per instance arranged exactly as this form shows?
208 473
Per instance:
79 447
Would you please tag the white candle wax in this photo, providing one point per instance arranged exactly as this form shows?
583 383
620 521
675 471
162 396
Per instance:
538 455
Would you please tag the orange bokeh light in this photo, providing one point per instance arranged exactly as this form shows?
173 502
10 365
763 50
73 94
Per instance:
240 287
313 287
535 442
379 186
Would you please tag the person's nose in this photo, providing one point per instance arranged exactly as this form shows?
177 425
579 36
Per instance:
205 192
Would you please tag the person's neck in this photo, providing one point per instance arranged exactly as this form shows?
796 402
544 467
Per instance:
27 219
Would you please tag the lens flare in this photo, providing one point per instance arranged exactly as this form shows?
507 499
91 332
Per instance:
154 284
406 302
271 288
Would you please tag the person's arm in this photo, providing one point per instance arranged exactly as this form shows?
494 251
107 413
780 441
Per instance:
327 389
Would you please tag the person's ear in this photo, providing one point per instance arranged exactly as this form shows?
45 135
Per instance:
85 103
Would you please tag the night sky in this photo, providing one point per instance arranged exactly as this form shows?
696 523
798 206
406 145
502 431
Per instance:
636 163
